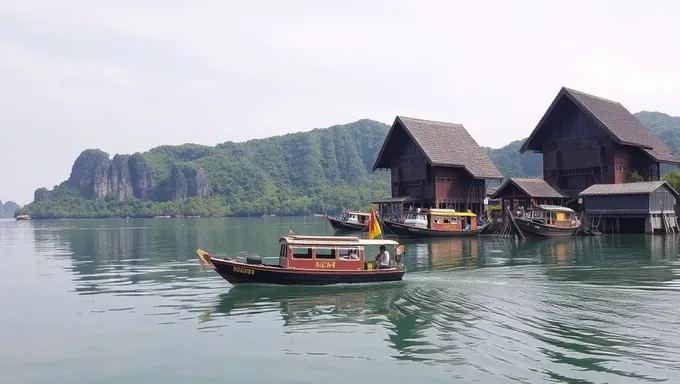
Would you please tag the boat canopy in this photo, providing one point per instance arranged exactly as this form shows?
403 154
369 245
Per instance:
330 241
555 208
450 212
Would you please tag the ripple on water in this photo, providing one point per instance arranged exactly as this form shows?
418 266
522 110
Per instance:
501 315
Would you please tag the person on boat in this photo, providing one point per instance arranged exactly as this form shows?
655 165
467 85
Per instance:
383 258
352 255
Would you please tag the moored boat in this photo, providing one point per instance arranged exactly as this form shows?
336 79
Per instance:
354 221
548 221
312 260
435 223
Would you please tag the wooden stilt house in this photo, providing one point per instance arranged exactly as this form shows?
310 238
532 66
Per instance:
434 165
587 140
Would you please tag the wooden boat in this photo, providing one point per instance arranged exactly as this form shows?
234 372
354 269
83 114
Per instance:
548 221
354 221
435 223
23 217
312 260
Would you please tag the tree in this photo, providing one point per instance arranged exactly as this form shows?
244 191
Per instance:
673 178
635 177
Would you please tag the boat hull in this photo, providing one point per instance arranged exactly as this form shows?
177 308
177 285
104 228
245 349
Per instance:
400 229
533 229
241 273
340 225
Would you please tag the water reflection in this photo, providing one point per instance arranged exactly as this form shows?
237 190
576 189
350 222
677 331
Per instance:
582 309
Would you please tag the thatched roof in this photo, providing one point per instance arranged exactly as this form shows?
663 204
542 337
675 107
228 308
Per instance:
615 119
444 144
536 188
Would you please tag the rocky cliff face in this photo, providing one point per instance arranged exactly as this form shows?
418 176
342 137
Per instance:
188 182
125 176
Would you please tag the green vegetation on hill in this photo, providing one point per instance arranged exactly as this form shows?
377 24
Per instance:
322 170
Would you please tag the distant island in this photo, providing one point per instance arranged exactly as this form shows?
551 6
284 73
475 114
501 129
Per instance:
319 171
7 209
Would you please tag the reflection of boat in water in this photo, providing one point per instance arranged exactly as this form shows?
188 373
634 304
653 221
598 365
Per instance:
548 221
312 260
354 221
312 304
435 223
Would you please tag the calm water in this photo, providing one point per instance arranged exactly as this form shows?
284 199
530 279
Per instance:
115 301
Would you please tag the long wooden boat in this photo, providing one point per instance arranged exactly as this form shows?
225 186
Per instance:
353 221
312 260
548 221
435 223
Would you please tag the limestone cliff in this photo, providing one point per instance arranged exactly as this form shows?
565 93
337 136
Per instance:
96 176
188 182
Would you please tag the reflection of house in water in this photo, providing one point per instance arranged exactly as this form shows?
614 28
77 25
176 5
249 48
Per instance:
454 252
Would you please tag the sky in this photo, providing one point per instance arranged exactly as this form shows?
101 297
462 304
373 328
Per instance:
126 76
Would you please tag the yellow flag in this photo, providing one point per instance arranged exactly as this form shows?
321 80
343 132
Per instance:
373 225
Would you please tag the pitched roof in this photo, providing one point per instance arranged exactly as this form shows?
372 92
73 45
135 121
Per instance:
532 188
616 120
444 144
638 188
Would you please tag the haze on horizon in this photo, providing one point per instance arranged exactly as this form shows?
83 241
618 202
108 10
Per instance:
128 76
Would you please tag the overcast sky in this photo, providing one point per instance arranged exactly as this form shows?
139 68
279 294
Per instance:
125 76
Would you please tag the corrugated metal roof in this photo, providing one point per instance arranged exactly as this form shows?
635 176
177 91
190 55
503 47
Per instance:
639 188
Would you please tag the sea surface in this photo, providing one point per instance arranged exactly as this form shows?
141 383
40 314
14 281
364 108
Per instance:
125 301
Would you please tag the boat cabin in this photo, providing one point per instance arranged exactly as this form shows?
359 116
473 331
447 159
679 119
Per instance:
331 252
553 215
441 219
354 217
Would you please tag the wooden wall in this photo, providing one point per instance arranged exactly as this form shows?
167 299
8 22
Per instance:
622 205
456 188
578 152
662 200
410 170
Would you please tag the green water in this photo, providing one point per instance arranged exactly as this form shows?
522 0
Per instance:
116 301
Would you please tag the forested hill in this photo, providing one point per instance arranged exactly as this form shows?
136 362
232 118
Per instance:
7 209
321 170
308 172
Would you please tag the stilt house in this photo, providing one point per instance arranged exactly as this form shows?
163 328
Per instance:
434 165
587 140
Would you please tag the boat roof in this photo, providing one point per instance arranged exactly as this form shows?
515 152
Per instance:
333 241
444 212
555 208
359 213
